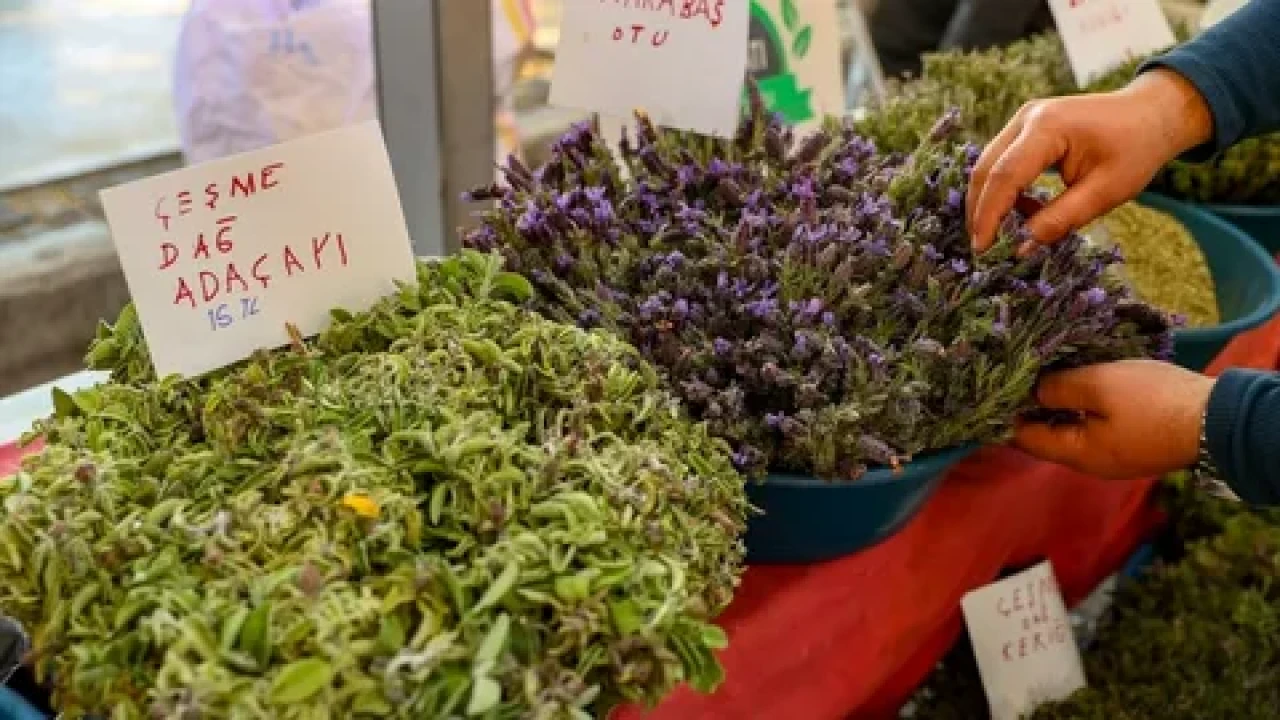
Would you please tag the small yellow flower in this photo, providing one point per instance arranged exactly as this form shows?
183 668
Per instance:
362 505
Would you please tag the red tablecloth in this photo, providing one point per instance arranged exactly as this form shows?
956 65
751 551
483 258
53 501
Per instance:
852 638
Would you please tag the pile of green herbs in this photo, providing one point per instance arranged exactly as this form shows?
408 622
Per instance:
446 506
989 87
816 301
1196 636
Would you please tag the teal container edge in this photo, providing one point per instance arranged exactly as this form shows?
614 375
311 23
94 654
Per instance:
13 707
1246 278
1262 222
807 520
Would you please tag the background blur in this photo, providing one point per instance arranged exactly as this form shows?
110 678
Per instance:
86 102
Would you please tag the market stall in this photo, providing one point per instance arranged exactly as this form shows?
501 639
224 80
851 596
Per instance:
855 636
517 480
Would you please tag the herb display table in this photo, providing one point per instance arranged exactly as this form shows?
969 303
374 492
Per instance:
855 636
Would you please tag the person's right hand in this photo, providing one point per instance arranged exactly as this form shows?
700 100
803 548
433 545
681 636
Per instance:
1106 146
1133 418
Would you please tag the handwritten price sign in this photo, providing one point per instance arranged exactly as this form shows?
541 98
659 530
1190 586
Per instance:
221 256
681 61
1101 35
1022 638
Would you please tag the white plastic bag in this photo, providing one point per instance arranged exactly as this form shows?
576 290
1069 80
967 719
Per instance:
251 73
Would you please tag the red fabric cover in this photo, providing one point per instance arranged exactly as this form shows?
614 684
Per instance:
852 638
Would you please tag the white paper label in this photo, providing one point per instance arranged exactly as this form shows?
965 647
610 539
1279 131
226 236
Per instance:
1022 638
1101 35
681 61
221 256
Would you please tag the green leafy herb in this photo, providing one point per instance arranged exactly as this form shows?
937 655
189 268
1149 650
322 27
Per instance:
377 523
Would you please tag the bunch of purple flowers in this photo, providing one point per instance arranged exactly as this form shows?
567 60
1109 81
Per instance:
815 301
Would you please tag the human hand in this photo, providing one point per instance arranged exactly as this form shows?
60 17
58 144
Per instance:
1133 418
1106 146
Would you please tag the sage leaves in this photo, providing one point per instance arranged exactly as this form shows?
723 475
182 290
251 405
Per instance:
435 508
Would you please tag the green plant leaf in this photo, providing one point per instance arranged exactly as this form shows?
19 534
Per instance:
500 587
714 638
790 15
255 634
495 641
513 287
63 404
485 693
800 46
301 680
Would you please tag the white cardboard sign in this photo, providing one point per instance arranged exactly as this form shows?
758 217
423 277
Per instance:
681 61
1022 638
221 256
1100 35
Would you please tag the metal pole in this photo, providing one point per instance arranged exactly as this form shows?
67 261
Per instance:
436 104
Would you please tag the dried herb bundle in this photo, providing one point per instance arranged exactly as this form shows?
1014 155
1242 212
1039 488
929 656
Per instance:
444 507
1196 637
815 301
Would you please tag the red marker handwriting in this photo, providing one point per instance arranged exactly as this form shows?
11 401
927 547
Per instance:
712 11
1030 604
205 286
242 186
657 38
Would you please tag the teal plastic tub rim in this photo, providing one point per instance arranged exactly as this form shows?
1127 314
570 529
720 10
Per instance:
930 463
13 707
1250 211
1259 315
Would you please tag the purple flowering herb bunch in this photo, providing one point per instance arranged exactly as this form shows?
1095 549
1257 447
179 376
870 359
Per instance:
815 301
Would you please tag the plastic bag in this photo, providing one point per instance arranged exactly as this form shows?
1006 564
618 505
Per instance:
252 73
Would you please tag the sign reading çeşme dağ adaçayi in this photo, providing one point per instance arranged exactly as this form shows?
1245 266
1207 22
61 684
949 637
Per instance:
221 257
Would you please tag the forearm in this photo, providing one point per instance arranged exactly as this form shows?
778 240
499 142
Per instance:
1235 67
1242 427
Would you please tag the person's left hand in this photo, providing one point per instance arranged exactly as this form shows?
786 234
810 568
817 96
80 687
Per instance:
1134 418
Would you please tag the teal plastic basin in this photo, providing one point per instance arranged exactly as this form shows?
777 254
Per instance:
1262 222
1247 280
13 707
807 520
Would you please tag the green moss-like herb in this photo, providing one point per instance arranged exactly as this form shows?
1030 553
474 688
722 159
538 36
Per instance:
443 507
987 87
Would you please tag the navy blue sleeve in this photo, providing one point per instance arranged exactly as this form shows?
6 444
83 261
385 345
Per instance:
1242 428
1236 67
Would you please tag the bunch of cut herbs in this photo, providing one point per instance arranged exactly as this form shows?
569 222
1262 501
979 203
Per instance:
815 301
1166 266
446 506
